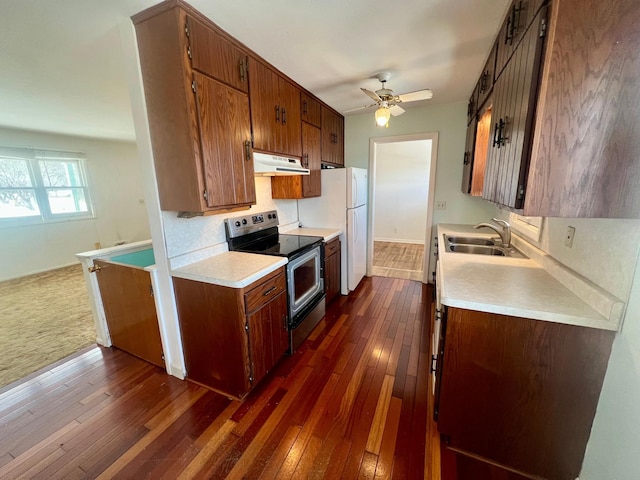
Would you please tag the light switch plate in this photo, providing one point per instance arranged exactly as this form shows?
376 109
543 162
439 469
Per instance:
568 238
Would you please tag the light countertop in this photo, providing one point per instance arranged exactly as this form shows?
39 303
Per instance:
508 286
230 269
326 233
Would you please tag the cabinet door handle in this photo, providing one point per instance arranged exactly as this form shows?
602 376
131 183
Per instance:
484 85
496 130
243 70
247 150
277 113
498 139
268 292
284 116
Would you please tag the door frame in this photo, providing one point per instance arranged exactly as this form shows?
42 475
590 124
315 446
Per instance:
373 143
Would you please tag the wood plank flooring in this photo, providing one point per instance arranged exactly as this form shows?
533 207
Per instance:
352 402
398 260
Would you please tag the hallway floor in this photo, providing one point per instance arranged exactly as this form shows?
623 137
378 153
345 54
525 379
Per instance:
398 260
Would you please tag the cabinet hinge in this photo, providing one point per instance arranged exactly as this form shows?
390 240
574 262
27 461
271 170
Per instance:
189 51
151 289
543 27
246 327
193 86
251 378
205 195
520 192
186 29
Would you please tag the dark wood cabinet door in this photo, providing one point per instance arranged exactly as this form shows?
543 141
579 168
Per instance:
130 310
332 273
467 159
521 393
268 336
214 338
290 136
265 110
310 110
472 106
586 156
519 17
339 147
487 77
513 118
332 137
215 56
225 135
311 159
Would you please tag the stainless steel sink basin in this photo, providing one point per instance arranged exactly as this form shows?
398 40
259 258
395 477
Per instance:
477 249
479 246
470 240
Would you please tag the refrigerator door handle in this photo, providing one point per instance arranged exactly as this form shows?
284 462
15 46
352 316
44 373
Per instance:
355 228
354 198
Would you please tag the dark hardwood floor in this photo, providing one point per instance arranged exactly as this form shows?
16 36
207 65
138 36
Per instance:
351 403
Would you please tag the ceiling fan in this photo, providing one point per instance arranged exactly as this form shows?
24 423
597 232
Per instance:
387 102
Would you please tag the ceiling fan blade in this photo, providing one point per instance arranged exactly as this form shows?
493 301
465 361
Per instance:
360 108
374 96
425 94
396 110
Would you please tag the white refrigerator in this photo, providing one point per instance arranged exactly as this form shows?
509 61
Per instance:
343 205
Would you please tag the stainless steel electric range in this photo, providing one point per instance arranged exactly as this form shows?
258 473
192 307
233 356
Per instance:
258 233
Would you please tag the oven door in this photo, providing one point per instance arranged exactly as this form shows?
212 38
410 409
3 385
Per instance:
304 274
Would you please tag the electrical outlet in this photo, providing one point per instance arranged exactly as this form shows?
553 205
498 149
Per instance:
441 205
568 237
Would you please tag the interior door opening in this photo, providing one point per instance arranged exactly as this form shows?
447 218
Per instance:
401 192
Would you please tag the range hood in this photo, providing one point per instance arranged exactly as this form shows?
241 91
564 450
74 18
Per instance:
265 165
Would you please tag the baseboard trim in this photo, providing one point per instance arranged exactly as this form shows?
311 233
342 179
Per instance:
396 240
22 275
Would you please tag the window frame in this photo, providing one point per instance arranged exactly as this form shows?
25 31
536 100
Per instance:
34 158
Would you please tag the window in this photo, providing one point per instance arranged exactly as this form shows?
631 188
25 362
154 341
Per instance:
530 227
42 185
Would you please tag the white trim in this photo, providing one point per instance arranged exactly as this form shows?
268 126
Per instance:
398 240
528 227
373 142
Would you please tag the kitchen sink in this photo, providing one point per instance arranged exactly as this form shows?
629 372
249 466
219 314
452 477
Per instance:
470 240
479 246
478 249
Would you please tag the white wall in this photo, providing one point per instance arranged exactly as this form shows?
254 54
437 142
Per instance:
401 191
116 192
613 451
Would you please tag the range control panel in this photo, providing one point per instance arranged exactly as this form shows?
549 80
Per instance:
238 226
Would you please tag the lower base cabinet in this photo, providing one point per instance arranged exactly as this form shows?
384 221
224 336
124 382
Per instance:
332 277
232 337
517 395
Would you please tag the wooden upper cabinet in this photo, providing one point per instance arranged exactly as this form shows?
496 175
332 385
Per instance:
467 160
519 17
275 111
472 106
302 186
199 127
310 110
586 154
515 95
332 137
487 78
223 115
215 56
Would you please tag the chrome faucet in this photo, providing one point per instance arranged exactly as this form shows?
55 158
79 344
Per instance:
504 232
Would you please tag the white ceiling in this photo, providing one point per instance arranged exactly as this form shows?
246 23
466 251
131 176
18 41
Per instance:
62 71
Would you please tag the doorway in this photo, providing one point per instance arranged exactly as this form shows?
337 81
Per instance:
401 192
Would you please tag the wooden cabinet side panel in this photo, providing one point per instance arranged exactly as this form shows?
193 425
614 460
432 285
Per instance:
339 128
586 155
520 392
130 310
332 274
171 111
213 336
217 57
467 161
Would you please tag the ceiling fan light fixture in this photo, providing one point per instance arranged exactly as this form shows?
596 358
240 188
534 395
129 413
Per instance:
382 116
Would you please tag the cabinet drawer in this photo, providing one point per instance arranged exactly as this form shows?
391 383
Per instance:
265 290
331 247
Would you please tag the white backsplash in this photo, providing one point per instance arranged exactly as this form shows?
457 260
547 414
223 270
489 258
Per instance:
190 238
